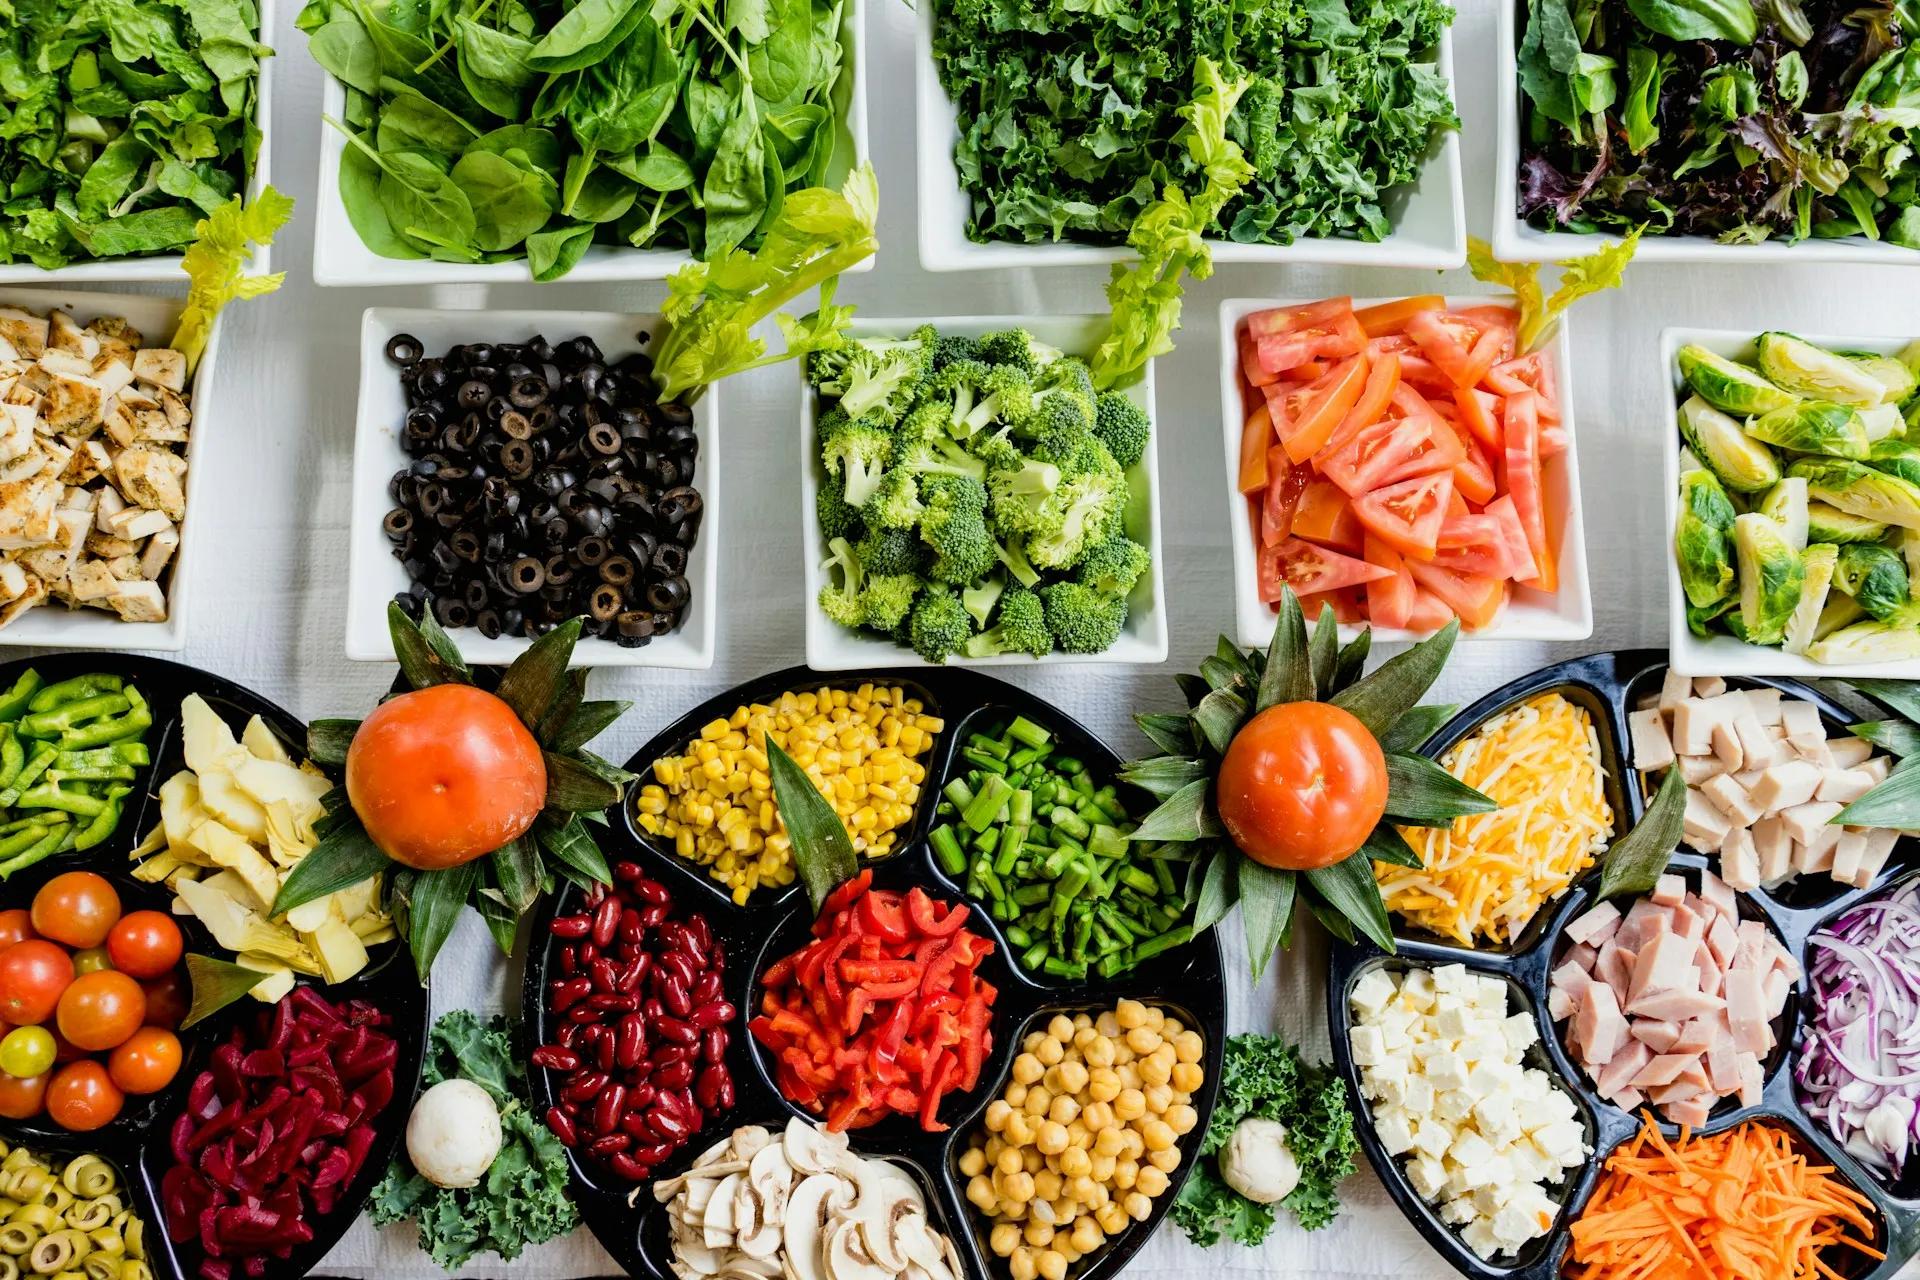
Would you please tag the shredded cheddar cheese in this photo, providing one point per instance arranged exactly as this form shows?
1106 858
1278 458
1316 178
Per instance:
1487 874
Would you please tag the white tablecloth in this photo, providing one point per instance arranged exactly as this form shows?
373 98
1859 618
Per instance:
270 581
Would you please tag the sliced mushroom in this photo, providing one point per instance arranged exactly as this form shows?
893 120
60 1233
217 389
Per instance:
847 1257
919 1243
772 1177
747 1141
718 1220
879 1212
807 1215
811 1149
693 1251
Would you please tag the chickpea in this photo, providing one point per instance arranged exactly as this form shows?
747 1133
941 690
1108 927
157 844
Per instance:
1072 1076
1030 1043
1143 1040
1052 1139
1031 1160
1157 1134
1129 1014
1168 1025
1107 1024
1060 1027
1015 1095
1100 1052
1086 1235
1137 1206
1082 1021
1037 1234
1083 1035
1188 1077
1027 1068
1046 1186
1155 1070
1019 1128
1159 1097
1152 1182
1064 1109
1039 1098
1156 1017
1133 1148
1017 1186
1097 1115
1064 1212
1080 1190
1042 1211
1049 1053
1008 1161
1004 1239
1165 1161
1126 1174
1020 1265
1129 1075
1110 1142
997 1112
1103 1084
1078 1135
1074 1163
1181 1118
973 1162
1102 1168
1112 1218
1131 1104
1053 1265
1189 1047
980 1193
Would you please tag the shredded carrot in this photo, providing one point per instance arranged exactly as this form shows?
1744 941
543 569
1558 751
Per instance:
1744 1204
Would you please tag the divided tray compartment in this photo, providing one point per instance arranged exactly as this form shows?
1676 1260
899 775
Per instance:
1608 686
137 1141
1185 981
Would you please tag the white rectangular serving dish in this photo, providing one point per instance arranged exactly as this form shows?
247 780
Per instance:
1529 615
1429 229
164 268
832 647
53 625
1514 240
339 257
1722 655
375 576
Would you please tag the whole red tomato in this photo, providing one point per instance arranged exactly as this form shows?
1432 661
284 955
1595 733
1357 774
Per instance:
147 1062
99 1010
15 926
1302 785
443 775
145 944
82 1097
33 975
168 1000
77 908
21 1097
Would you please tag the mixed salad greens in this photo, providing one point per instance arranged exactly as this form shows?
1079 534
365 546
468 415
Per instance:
1744 122
1799 507
124 123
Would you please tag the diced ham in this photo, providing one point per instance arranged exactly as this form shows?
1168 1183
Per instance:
1652 749
1596 924
1692 1112
1686 922
1644 919
1773 992
1723 1065
1696 1036
1708 967
1721 940
1656 1035
1619 1071
1663 1069
1715 893
1755 947
1669 890
1584 955
1598 1026
1746 1010
1627 1099
1676 1006
1664 964
1752 1079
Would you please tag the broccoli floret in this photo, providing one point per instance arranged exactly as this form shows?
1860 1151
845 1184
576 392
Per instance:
884 377
982 596
1068 380
957 388
1055 428
939 625
1080 618
1013 554
951 348
940 458
927 423
1019 490
827 367
1114 566
1017 347
1020 628
896 503
1083 512
885 552
1004 396
1122 426
836 518
857 452
955 526
887 599
840 597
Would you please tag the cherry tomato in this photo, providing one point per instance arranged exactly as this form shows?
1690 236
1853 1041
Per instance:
1301 786
101 1009
77 908
167 1001
82 1096
27 1051
147 1062
145 944
443 775
33 974
92 960
22 1098
15 926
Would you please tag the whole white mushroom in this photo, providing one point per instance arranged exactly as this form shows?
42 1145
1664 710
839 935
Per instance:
1257 1162
453 1134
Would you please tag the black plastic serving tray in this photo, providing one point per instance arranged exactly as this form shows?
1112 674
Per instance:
1186 981
137 1141
1609 686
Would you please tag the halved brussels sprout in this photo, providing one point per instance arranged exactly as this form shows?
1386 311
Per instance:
1874 575
1731 386
1910 357
1896 380
1817 566
1861 490
1786 505
1813 426
1830 524
1882 422
1910 552
1896 457
1795 364
1841 610
1770 578
1870 641
1740 462
1698 618
1700 538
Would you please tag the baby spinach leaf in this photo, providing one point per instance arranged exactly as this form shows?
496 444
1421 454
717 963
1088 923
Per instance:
360 175
587 33
510 202
658 169
600 196
500 56
735 189
345 51
551 254
411 121
540 146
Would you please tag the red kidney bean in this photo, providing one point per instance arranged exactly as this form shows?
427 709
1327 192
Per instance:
652 892
569 1033
605 1053
570 926
606 922
635 1123
630 1041
714 1089
569 962
653 1155
584 1013
664 1053
562 1126
609 1107
587 954
713 1044
563 995
627 872
641 1095
707 987
702 932
677 1031
652 1007
672 1075
713 1014
614 1002
653 915
669 1124
673 994
629 979
608 1144
555 1057
628 1167
583 1086
603 974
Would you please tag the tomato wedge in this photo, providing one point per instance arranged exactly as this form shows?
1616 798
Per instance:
1256 437
1476 598
1306 416
1250 367
1477 545
1383 380
1553 441
1480 414
1473 475
1408 516
1523 484
1288 337
1309 570
1346 605
1415 369
1389 599
1462 345
1384 319
1430 612
1393 449
1519 552
1533 373
1457 505
1284 486
1325 516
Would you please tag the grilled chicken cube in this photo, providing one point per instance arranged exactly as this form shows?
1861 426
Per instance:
162 366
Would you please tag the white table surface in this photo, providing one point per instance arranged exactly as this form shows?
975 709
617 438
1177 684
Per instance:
270 579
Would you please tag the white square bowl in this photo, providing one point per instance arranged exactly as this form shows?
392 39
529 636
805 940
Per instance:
164 268
54 626
374 576
341 258
1530 615
1429 224
1722 655
1515 240
832 647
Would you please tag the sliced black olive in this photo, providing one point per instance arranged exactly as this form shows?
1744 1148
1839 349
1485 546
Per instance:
451 613
472 394
526 574
591 551
678 506
487 621
466 545
476 594
617 570
670 559
516 457
606 601
517 425
669 595
398 524
558 570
